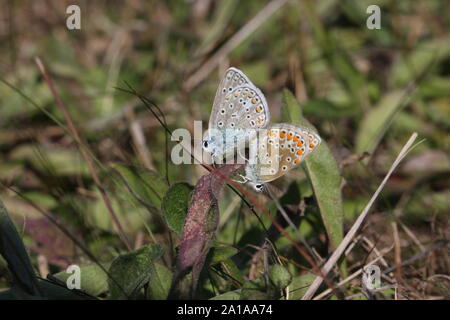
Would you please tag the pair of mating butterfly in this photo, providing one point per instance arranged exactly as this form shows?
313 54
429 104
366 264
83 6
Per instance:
240 112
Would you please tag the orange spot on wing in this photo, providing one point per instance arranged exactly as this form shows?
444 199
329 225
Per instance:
282 135
297 160
311 145
290 136
299 152
296 139
299 143
253 101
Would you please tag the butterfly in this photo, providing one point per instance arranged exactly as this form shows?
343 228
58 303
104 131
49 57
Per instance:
238 107
277 150
240 113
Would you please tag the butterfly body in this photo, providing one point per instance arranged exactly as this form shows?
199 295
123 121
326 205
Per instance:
223 142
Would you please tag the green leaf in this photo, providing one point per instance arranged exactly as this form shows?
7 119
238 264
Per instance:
232 270
326 109
147 186
377 121
93 279
230 295
15 255
300 285
132 214
291 111
175 205
254 290
221 253
160 282
279 276
323 174
131 271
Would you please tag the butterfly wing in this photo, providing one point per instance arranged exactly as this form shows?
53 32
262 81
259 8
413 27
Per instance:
281 148
238 104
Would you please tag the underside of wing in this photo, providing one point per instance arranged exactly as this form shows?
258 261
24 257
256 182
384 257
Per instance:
243 108
281 148
233 98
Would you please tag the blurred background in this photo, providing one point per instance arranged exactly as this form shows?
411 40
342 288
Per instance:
366 91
